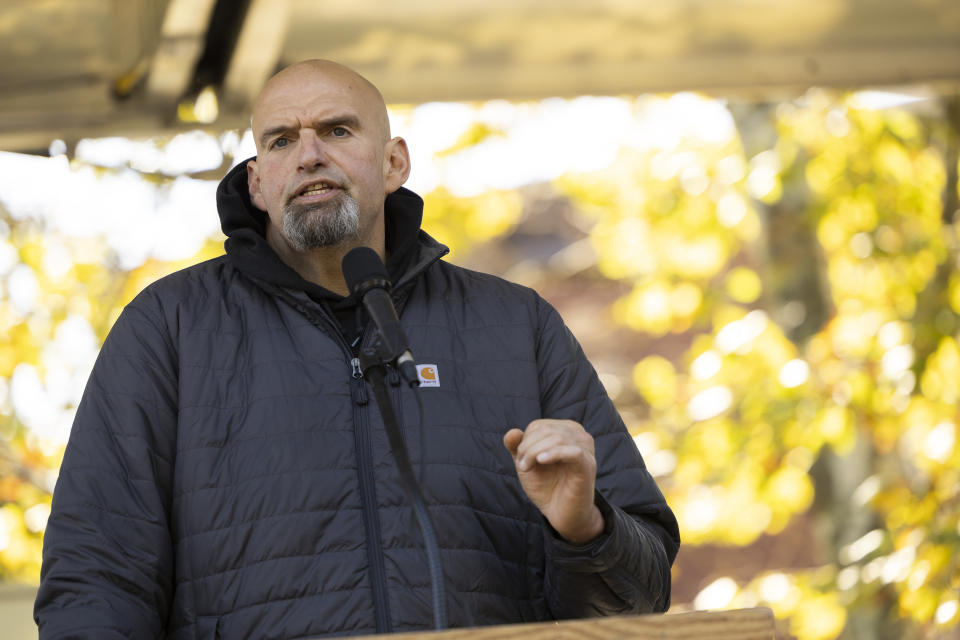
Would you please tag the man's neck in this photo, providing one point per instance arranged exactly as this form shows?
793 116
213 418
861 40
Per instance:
321 266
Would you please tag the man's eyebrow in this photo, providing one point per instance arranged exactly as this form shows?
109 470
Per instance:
338 121
272 131
326 123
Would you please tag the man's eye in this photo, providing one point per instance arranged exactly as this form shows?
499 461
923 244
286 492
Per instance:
280 143
339 132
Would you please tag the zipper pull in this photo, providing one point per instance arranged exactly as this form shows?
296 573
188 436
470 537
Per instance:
358 388
393 377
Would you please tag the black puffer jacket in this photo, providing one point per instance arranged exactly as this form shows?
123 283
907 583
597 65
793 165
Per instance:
228 476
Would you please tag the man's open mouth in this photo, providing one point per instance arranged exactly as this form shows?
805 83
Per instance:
314 189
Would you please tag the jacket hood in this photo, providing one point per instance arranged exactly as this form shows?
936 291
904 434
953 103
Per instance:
234 205
245 227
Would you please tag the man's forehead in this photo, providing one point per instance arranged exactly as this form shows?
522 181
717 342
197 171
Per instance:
307 93
307 111
292 98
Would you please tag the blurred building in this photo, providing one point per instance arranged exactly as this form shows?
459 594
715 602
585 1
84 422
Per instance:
92 68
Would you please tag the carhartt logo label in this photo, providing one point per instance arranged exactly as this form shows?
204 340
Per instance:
429 377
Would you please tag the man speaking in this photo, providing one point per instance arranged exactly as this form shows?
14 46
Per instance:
229 475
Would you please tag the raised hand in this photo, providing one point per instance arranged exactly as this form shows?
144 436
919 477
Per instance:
557 469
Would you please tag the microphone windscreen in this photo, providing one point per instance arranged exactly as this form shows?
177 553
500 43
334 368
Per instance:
362 265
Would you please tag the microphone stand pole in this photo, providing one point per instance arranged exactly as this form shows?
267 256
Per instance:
374 371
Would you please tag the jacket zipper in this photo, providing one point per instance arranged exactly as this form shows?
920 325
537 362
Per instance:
366 477
371 522
364 446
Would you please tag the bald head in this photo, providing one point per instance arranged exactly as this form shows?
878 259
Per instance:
311 79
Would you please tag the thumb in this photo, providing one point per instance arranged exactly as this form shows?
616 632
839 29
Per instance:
512 440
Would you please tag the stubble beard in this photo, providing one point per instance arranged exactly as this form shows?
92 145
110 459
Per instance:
314 226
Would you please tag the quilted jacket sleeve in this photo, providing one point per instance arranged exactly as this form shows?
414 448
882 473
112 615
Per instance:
627 569
107 556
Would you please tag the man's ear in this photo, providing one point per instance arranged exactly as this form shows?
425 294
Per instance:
253 186
396 164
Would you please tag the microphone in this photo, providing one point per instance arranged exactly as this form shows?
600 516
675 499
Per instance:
368 281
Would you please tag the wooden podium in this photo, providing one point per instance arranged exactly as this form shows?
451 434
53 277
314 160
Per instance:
737 624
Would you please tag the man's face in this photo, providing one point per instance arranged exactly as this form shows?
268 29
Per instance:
324 164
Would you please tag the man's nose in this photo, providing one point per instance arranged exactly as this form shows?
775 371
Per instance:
312 150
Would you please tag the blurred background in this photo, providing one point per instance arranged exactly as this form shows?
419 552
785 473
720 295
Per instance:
746 210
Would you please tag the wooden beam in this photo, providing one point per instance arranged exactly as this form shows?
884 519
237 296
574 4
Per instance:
257 51
181 43
738 624
760 75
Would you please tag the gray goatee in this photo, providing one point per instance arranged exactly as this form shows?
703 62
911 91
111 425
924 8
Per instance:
312 226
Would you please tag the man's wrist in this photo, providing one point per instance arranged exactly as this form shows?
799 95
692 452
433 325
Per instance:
592 530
